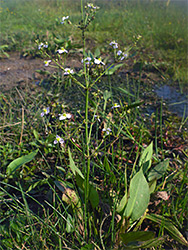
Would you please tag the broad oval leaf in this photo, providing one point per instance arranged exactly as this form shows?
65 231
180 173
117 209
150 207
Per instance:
158 171
14 165
139 197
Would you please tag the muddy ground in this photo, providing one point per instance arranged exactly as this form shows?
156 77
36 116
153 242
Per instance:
17 70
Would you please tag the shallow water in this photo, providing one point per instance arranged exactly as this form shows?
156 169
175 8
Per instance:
176 102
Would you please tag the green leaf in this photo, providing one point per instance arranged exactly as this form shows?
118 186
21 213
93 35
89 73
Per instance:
136 236
87 247
70 227
113 69
36 134
152 185
59 41
145 158
36 184
158 171
167 224
107 94
147 244
152 243
73 166
93 196
42 72
139 197
97 52
14 165
122 204
135 104
125 92
109 171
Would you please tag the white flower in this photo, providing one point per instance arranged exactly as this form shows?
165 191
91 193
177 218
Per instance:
64 18
42 45
116 106
124 56
114 44
119 52
87 60
108 130
45 111
45 45
91 6
59 139
98 61
97 117
46 63
62 50
64 116
68 71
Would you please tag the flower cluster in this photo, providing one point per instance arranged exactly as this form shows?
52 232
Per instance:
114 44
91 7
123 55
45 111
64 18
97 61
59 140
106 131
86 60
42 45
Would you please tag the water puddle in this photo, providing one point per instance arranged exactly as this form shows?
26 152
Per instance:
176 102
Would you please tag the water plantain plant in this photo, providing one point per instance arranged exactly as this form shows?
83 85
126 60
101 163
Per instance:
95 175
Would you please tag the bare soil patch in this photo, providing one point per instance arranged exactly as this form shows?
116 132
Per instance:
16 70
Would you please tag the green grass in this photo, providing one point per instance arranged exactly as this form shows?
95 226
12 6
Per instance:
99 190
163 28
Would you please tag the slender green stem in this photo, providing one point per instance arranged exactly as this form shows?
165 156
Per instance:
86 127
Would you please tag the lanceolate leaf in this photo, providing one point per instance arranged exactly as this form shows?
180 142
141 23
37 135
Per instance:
145 158
146 244
14 165
152 185
113 69
136 236
122 204
73 166
139 197
93 194
167 224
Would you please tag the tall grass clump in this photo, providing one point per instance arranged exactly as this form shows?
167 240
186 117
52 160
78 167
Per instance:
83 176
